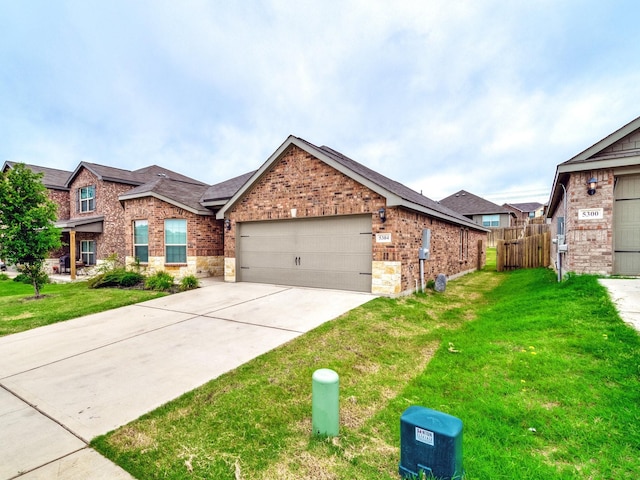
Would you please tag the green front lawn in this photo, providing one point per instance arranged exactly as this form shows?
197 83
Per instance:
545 377
19 311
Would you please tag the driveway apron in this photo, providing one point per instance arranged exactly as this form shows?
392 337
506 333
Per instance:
64 384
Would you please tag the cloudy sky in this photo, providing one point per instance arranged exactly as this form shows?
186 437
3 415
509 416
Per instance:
441 95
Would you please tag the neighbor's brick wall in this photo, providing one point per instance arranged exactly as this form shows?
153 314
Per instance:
301 181
61 199
407 226
111 240
204 235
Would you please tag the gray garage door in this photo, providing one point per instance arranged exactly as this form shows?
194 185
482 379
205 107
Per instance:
626 220
320 252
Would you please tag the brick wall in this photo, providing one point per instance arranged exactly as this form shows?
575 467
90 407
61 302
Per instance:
204 236
61 199
454 250
111 240
590 242
301 181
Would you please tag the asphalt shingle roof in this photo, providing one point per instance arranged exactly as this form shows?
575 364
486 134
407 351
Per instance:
388 184
225 190
469 204
184 193
526 207
135 177
52 177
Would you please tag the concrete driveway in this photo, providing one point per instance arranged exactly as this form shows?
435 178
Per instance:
625 294
64 384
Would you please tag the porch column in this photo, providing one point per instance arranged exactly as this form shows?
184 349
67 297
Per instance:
72 253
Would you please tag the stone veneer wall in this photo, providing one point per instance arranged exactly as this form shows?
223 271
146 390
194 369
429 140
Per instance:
301 181
590 242
204 238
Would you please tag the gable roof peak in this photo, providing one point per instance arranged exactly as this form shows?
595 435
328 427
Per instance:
395 193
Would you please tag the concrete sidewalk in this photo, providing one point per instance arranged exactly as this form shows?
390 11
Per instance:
64 384
625 294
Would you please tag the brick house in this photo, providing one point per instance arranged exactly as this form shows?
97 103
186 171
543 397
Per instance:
170 224
594 207
311 216
99 207
481 211
525 211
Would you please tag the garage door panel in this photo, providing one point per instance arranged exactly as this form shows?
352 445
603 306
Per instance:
627 263
341 262
321 252
627 225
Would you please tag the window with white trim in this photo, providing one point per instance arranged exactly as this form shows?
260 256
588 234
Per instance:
175 241
87 199
141 240
88 252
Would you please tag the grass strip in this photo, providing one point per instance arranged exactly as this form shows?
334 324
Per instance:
19 311
545 377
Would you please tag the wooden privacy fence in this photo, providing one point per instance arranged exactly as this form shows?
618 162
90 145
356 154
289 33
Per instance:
507 234
526 252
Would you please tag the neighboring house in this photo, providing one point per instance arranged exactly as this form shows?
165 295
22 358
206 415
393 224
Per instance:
311 216
170 225
481 211
525 211
594 207
97 216
151 214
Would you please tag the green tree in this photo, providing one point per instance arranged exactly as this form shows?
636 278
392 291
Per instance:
27 216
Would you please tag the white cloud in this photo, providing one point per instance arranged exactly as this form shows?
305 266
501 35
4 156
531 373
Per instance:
480 95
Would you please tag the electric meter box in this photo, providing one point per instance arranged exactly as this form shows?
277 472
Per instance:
430 444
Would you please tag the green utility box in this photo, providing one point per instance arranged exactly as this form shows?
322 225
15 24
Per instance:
430 442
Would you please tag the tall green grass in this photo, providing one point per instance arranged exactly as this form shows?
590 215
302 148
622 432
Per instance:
545 377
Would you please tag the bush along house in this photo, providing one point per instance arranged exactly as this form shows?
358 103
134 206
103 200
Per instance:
310 216
594 207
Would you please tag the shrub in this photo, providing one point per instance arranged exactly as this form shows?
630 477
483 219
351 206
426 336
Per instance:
117 277
189 283
160 281
4 276
131 279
